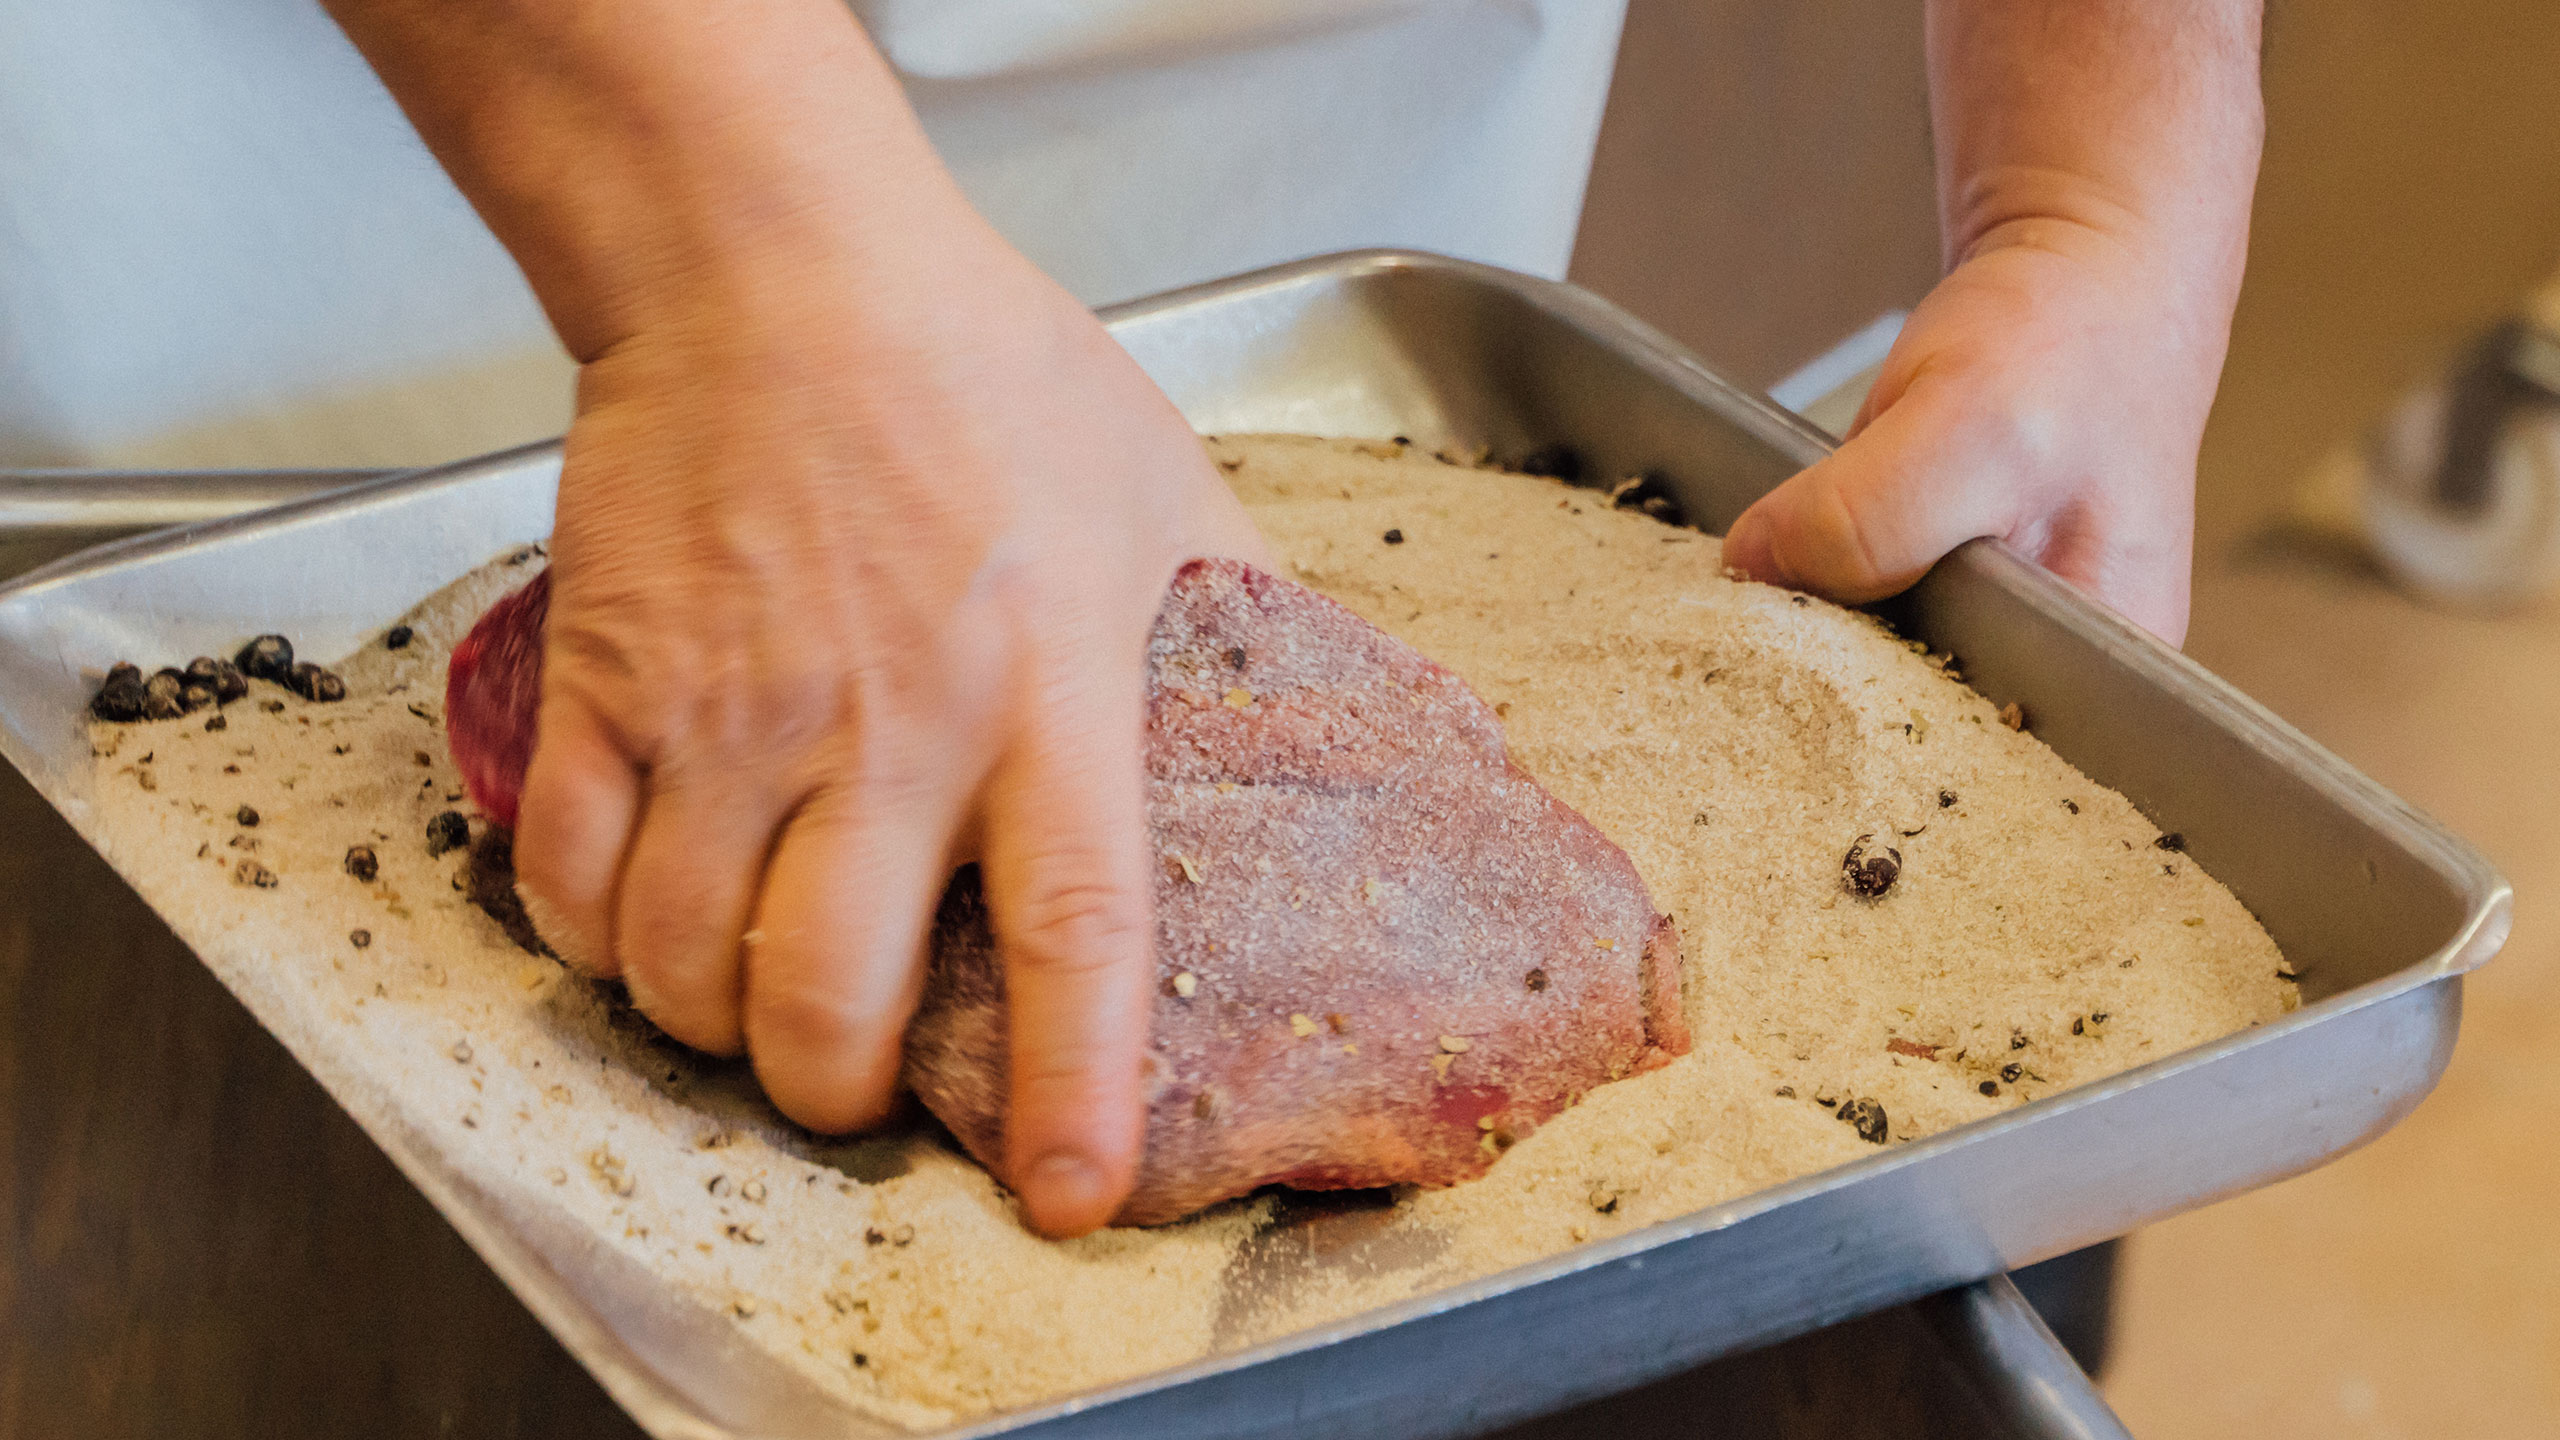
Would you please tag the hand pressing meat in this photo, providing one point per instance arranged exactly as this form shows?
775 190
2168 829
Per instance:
1385 953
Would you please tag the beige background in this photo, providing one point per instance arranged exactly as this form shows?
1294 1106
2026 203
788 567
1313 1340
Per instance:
1763 190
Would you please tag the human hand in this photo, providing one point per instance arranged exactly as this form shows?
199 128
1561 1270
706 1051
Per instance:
2051 391
2095 166
841 604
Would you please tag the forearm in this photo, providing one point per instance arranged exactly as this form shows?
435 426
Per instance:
650 160
2133 125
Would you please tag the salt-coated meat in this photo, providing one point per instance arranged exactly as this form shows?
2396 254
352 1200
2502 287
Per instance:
1384 954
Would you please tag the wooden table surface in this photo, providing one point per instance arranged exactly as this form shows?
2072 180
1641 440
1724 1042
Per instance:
198 1242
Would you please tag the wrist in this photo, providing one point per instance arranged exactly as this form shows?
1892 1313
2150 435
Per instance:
768 221
2167 289
2195 249
667 160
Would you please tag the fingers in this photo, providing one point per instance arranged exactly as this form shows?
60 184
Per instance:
1872 517
2140 564
1215 523
837 961
572 827
688 888
1070 894
1936 466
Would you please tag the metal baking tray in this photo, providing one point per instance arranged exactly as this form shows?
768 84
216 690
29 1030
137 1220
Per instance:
2381 910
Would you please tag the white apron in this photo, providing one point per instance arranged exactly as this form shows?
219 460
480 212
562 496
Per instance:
220 244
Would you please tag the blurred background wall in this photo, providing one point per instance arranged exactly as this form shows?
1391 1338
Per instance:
1763 189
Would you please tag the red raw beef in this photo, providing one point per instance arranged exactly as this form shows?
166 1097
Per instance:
1384 953
492 693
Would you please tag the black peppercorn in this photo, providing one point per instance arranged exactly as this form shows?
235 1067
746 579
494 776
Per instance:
218 722
247 817
398 638
360 938
361 863
1393 537
1867 1117
2079 1026
1558 461
269 657
1537 980
163 696
219 676
272 707
1990 1087
1869 870
1946 798
2171 841
448 831
2071 805
2011 1073
313 683
120 699
1235 658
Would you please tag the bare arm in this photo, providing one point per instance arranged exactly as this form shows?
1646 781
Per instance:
2095 165
861 528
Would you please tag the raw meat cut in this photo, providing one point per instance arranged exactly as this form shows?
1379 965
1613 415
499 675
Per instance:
1384 953
492 695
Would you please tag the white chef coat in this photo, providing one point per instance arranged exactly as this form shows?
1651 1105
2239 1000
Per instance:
220 243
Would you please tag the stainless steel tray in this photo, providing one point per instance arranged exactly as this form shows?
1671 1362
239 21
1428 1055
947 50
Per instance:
2381 910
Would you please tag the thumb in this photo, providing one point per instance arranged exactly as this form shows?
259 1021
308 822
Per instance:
1874 515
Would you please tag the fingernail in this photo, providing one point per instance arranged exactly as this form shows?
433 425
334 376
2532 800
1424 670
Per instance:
1746 547
643 999
555 932
1066 1192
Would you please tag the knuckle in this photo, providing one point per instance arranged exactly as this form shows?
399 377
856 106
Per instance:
675 966
1078 927
807 1019
1074 1066
601 668
741 688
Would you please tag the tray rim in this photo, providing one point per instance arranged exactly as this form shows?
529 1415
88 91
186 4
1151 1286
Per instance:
2486 894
